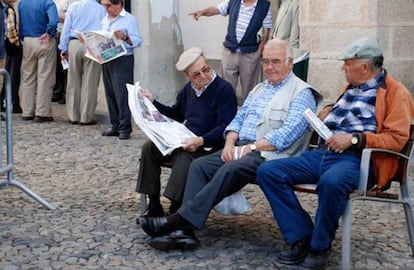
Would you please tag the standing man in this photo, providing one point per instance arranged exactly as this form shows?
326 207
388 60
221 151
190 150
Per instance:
59 90
206 105
14 52
286 26
83 73
269 125
374 110
38 23
2 49
243 46
117 73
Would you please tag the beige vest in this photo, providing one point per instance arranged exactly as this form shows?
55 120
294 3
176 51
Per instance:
276 112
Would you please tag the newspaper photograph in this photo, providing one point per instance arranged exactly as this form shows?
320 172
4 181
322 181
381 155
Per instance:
163 131
102 46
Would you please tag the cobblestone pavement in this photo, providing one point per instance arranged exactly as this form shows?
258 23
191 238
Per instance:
91 180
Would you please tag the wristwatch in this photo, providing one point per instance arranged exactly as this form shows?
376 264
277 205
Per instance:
354 139
252 147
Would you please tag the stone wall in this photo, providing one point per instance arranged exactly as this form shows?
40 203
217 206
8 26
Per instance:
328 26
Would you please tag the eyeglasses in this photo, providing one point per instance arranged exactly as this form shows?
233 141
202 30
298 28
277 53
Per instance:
272 62
204 70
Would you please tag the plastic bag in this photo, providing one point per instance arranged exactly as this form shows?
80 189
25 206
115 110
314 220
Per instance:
235 204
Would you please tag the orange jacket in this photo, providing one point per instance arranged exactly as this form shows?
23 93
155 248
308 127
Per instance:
394 112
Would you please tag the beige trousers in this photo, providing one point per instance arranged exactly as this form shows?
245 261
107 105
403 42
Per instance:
38 77
83 82
245 66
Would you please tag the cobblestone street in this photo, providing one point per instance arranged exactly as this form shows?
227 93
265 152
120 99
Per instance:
91 180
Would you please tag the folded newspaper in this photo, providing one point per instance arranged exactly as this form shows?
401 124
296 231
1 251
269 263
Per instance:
164 132
323 131
102 46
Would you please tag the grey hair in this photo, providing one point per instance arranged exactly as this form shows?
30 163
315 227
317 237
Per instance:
275 43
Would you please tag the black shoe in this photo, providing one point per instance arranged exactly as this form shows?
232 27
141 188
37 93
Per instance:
178 239
154 211
43 119
316 259
17 109
2 117
110 132
155 226
124 136
296 254
27 118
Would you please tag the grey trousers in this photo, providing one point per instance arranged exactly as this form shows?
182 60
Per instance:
150 170
210 180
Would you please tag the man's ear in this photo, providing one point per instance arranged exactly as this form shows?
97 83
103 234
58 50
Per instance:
185 75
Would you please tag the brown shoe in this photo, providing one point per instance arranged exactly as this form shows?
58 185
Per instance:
43 119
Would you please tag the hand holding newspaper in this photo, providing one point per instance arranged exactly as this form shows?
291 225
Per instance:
164 132
316 123
102 46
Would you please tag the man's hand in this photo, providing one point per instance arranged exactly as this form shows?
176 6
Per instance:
63 56
228 153
196 14
147 93
324 112
44 40
192 144
339 142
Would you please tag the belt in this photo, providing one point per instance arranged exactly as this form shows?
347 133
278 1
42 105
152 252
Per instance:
73 38
346 151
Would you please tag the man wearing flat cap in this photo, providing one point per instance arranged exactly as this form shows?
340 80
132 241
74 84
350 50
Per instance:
374 111
269 125
206 105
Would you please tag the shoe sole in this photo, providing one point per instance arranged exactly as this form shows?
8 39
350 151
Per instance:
166 244
292 262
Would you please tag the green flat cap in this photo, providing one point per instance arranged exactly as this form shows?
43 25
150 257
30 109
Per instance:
365 47
187 58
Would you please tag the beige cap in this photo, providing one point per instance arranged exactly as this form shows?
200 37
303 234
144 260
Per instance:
187 58
365 47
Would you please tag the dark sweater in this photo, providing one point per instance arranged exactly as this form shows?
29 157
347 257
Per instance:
249 42
207 115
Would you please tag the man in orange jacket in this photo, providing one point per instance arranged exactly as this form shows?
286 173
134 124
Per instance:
374 110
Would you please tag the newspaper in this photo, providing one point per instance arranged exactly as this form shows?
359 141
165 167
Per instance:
102 46
323 131
164 132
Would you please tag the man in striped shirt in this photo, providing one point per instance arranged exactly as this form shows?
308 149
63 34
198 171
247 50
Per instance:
242 46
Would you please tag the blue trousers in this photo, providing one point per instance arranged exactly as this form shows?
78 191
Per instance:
336 176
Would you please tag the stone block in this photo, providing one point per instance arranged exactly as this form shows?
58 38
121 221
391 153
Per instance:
395 12
403 40
402 71
327 77
329 42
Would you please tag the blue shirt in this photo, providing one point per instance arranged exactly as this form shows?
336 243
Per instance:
85 15
37 17
127 23
252 110
355 110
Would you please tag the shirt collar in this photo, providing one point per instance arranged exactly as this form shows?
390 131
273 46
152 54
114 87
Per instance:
372 83
199 92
